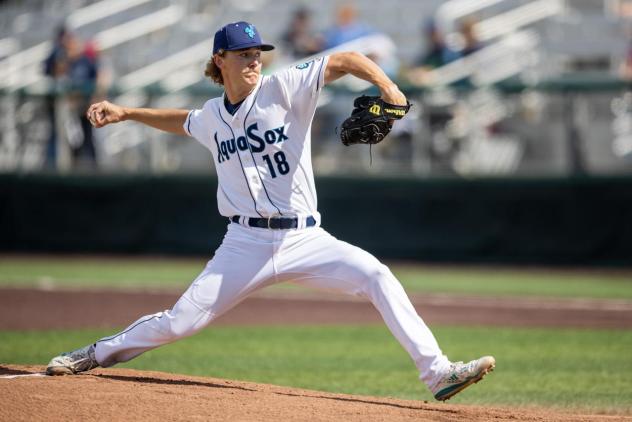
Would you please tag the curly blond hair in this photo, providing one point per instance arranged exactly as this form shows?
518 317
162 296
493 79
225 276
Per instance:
214 72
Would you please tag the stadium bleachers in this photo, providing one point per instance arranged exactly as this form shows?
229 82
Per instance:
145 42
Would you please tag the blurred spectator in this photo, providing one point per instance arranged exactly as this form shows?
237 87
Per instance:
346 28
299 39
74 68
436 54
625 70
471 43
351 35
439 52
54 71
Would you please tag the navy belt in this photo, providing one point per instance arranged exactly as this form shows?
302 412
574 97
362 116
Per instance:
278 223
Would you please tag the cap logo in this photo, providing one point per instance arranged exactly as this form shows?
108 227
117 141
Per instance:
250 30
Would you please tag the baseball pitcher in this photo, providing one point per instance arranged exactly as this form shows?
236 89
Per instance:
259 134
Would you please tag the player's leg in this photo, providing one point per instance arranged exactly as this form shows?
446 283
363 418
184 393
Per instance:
320 260
240 266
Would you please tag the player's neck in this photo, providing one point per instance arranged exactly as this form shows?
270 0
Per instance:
236 92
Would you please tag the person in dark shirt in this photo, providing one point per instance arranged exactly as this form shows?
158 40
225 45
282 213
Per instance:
74 70
299 40
435 55
53 70
471 42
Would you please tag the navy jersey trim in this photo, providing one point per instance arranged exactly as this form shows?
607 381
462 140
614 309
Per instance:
189 123
230 107
254 101
254 201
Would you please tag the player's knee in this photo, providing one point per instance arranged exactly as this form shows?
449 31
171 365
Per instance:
173 327
384 275
379 277
182 326
180 330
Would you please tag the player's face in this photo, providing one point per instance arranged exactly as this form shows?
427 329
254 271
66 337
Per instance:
244 64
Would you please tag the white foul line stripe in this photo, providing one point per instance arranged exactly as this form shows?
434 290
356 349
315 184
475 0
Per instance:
38 374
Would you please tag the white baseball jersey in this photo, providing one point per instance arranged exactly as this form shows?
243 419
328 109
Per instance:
262 153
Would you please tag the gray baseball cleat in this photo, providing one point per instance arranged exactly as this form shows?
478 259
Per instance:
461 375
70 363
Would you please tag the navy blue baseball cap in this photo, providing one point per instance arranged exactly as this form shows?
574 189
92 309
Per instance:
238 36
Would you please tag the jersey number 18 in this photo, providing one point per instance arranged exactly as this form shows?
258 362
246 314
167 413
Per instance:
281 163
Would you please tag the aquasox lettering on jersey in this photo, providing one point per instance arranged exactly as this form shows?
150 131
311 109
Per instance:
262 153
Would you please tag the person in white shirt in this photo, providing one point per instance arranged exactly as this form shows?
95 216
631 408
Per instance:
259 135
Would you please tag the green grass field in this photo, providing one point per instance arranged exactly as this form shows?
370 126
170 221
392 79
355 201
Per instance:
587 370
178 273
579 370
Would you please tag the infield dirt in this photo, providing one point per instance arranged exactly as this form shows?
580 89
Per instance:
123 394
33 309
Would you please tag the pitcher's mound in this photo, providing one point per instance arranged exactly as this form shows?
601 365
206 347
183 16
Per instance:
123 394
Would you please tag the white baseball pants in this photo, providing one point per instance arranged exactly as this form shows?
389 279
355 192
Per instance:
252 258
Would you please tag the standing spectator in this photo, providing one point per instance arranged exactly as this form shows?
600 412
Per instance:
625 69
54 71
471 43
75 69
347 27
436 54
82 74
299 39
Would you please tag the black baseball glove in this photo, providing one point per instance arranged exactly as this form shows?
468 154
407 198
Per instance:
371 120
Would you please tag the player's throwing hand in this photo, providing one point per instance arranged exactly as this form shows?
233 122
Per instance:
104 113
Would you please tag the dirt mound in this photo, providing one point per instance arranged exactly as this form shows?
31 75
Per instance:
122 394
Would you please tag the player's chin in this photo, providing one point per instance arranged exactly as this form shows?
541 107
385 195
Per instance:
251 77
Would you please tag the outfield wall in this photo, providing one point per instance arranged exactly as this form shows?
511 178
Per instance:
580 221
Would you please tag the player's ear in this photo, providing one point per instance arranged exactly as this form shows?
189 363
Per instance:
219 59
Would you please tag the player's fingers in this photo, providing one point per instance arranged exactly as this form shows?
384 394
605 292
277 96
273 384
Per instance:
393 95
91 117
400 98
100 114
103 113
93 111
90 112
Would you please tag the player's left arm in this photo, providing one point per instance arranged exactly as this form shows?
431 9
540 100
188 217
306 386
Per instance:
360 66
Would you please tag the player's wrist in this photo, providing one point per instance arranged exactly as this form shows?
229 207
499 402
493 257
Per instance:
125 113
388 89
387 85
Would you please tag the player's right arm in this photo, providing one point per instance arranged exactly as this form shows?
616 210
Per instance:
169 120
